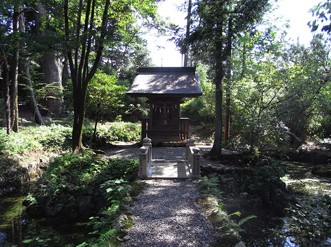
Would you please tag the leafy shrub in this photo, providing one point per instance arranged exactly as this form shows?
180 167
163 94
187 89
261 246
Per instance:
202 109
55 137
19 143
210 186
35 138
126 132
115 132
86 170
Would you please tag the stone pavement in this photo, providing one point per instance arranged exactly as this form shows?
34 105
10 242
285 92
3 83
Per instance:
168 169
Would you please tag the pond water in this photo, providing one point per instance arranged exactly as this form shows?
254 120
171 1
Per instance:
18 229
308 219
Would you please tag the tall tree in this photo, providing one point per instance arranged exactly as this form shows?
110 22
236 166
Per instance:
188 27
11 15
89 26
217 22
14 69
51 64
5 80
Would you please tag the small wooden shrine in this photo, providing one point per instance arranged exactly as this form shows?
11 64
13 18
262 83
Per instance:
165 87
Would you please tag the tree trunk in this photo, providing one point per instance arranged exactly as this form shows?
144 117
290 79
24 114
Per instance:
14 75
79 98
82 66
188 26
228 76
218 81
227 116
37 116
5 78
217 146
52 68
95 125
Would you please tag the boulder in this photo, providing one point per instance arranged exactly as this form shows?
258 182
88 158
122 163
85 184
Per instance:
322 170
86 205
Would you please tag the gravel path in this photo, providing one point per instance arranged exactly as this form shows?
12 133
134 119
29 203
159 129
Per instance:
165 214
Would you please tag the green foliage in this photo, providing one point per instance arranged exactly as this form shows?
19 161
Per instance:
86 170
202 109
57 137
210 186
116 189
54 137
35 138
105 97
110 133
233 225
321 12
124 132
102 225
80 172
19 143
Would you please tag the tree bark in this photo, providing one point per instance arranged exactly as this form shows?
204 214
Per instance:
79 115
228 76
218 81
227 116
52 68
217 145
14 75
5 79
188 27
37 116
80 61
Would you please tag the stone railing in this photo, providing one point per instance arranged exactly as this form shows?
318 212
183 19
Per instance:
145 157
193 158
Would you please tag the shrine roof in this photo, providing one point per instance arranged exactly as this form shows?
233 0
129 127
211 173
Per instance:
166 81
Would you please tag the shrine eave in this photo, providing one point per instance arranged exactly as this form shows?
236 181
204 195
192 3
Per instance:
166 82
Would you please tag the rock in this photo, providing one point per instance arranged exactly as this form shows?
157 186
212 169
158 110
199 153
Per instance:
51 210
228 239
126 238
119 222
70 209
2 237
207 199
322 170
240 244
324 244
217 217
85 205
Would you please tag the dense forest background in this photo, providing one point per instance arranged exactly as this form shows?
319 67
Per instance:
65 67
76 59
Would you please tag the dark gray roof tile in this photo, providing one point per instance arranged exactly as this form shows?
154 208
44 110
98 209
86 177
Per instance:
166 81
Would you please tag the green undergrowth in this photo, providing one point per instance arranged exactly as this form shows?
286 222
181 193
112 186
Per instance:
78 173
111 133
87 170
56 137
227 223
